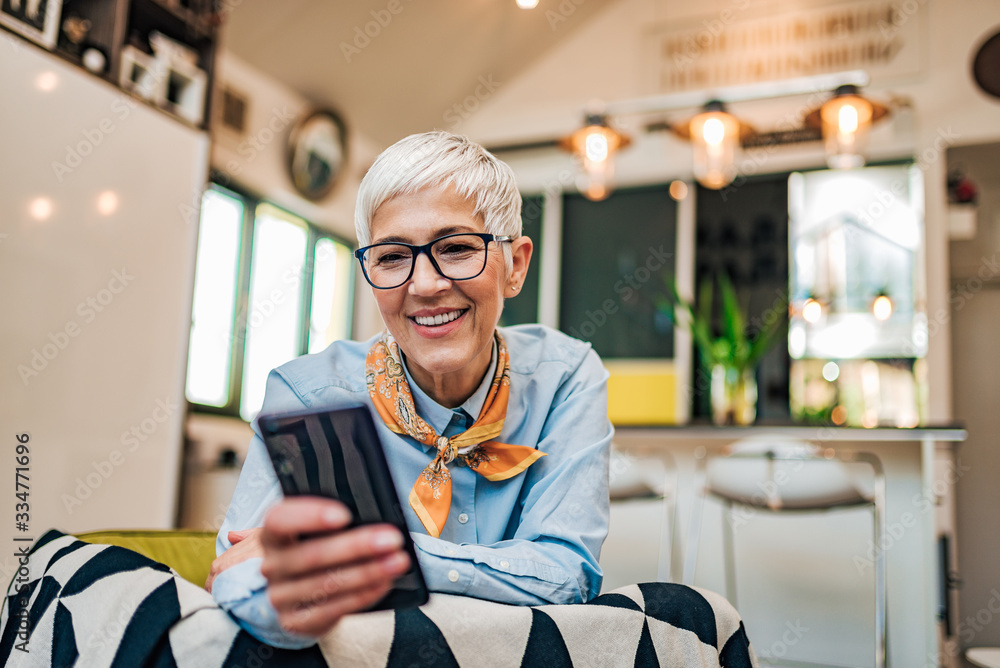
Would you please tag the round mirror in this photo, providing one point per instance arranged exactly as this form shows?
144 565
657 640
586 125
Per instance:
317 153
986 66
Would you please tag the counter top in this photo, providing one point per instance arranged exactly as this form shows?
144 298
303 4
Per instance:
950 432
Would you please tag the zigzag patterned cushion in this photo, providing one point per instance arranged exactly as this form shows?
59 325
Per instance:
101 605
655 624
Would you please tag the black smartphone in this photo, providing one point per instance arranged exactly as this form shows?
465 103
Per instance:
337 454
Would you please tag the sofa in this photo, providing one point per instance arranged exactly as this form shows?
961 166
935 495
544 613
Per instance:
136 598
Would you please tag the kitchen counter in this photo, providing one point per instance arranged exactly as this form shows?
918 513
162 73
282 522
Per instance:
819 433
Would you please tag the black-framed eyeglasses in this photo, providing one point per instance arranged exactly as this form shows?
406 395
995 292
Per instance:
457 257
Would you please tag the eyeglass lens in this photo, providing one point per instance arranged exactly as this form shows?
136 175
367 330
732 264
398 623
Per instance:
458 257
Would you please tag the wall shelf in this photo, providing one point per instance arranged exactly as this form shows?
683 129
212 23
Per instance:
168 45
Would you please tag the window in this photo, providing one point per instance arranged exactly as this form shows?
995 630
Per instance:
214 311
615 254
268 287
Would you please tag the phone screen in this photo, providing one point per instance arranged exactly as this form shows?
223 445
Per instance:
337 454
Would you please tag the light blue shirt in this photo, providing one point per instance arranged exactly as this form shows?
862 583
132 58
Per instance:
532 539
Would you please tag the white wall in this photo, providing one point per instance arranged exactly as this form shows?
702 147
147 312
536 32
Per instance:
975 309
97 305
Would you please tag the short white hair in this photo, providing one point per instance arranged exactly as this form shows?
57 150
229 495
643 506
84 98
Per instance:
439 158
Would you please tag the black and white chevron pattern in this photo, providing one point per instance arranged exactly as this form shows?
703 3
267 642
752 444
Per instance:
98 605
101 605
646 625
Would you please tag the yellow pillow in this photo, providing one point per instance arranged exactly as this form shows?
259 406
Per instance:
190 553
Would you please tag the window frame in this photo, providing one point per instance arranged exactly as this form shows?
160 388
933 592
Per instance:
241 313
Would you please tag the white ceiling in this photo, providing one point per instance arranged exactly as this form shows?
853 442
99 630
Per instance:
426 58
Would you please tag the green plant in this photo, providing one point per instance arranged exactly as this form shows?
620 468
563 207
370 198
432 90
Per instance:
732 347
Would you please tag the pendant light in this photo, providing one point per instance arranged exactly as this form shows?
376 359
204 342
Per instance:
715 139
845 120
595 145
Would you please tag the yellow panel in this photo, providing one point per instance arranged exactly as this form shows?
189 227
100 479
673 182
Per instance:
642 393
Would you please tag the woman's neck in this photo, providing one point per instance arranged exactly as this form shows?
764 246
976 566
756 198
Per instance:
451 390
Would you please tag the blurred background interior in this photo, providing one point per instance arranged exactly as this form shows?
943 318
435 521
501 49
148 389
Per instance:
773 220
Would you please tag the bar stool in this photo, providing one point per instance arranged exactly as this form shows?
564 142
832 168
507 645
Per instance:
641 544
986 657
778 474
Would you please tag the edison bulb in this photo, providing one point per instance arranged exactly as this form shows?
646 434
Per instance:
713 132
812 310
597 147
882 307
847 119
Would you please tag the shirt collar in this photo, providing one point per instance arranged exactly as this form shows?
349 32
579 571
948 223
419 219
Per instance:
436 415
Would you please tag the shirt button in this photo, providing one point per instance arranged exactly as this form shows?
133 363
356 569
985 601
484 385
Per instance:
451 551
453 575
463 518
504 564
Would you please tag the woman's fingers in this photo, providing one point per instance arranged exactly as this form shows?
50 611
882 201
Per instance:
339 549
247 546
313 582
296 516
317 619
236 536
321 587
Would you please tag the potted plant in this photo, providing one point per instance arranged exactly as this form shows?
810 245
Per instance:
729 354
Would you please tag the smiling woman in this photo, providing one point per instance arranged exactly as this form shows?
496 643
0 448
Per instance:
444 324
498 436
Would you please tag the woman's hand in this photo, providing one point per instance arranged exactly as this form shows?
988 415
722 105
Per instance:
314 582
245 545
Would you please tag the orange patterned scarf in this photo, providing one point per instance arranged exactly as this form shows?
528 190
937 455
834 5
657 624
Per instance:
430 497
